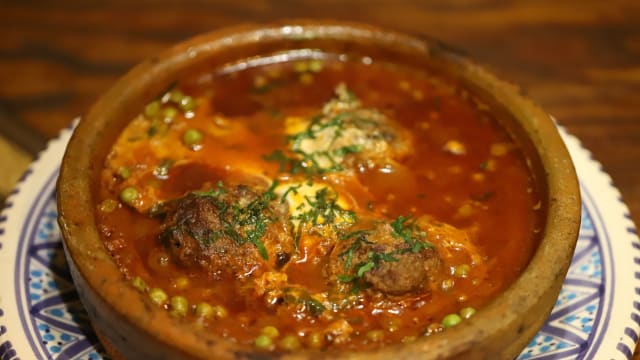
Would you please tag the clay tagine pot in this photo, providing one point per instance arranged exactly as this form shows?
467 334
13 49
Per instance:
132 328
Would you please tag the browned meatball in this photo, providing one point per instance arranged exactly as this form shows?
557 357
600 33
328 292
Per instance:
385 261
348 135
228 231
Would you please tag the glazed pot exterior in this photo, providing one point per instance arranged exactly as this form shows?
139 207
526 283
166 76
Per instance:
134 328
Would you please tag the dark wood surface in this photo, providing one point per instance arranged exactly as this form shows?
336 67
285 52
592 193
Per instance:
579 60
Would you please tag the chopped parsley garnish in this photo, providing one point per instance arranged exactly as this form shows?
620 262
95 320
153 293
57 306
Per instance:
292 189
315 307
360 237
253 219
310 163
406 229
327 131
324 210
243 224
402 227
373 261
217 191
301 298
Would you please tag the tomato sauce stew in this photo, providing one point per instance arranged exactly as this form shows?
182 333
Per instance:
319 203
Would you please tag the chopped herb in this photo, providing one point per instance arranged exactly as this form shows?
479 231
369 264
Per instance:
291 189
152 130
406 229
350 149
254 219
300 297
243 224
373 261
360 237
364 267
356 233
403 227
324 209
219 190
286 163
158 126
330 127
314 306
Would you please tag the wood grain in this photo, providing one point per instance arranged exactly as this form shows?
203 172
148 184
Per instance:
579 59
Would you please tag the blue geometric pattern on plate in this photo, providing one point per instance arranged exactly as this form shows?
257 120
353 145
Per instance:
64 332
62 324
569 327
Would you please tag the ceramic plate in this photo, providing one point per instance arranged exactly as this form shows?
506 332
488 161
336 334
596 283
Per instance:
596 316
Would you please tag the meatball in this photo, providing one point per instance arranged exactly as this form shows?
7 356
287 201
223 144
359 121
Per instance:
228 231
385 260
346 134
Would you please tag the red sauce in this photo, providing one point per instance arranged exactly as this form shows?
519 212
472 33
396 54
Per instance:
462 169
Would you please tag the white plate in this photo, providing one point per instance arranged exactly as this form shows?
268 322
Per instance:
597 315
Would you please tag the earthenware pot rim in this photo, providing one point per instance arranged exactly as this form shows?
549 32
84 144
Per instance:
504 315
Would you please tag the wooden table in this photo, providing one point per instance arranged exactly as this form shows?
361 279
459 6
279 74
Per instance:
580 60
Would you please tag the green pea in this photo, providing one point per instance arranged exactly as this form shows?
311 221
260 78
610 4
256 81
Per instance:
451 320
289 343
467 312
176 96
158 296
263 342
187 103
124 172
129 195
301 67
315 340
375 335
204 310
108 205
192 137
169 113
462 270
138 283
179 305
270 331
152 109
315 65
